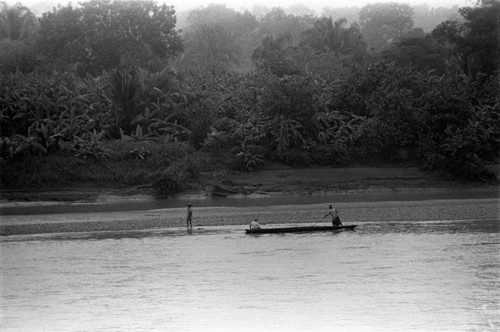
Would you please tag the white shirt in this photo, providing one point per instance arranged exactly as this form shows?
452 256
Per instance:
333 212
254 225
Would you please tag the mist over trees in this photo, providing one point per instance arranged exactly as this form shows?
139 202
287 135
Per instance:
124 90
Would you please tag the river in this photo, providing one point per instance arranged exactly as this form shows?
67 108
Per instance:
385 276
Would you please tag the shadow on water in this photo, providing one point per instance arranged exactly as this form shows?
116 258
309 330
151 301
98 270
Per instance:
117 235
363 228
435 227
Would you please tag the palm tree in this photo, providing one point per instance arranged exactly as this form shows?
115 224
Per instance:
328 36
213 46
272 47
288 134
17 22
277 55
126 87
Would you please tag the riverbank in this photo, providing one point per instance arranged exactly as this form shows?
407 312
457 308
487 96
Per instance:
274 180
275 195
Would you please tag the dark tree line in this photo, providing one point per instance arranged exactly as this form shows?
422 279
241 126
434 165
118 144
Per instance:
115 81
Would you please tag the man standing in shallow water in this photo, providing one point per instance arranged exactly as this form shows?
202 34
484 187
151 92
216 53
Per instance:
335 216
189 217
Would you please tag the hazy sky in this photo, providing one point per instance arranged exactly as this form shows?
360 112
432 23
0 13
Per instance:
314 4
238 4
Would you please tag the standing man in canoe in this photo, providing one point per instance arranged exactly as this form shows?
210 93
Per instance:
334 213
189 217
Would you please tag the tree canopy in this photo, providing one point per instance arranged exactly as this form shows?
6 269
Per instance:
328 36
381 23
211 46
114 81
16 22
105 34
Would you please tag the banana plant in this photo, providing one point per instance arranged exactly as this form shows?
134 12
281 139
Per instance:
288 135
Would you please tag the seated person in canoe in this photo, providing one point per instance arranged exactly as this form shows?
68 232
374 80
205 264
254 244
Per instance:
255 224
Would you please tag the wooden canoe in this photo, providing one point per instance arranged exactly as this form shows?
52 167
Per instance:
299 229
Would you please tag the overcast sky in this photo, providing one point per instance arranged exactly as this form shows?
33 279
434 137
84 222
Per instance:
317 5
314 4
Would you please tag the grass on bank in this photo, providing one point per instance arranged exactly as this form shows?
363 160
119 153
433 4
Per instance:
169 168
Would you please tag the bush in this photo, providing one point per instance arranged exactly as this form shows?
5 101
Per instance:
459 154
296 157
460 137
223 136
336 155
250 158
179 175
168 182
16 56
53 170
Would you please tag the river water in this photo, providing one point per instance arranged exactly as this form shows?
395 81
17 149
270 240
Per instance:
385 276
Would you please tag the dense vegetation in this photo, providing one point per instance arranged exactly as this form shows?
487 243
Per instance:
109 93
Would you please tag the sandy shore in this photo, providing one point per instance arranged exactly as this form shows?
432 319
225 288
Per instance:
351 212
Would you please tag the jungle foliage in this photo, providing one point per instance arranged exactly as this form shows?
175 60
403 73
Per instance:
123 98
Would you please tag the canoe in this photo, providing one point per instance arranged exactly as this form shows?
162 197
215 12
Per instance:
299 229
